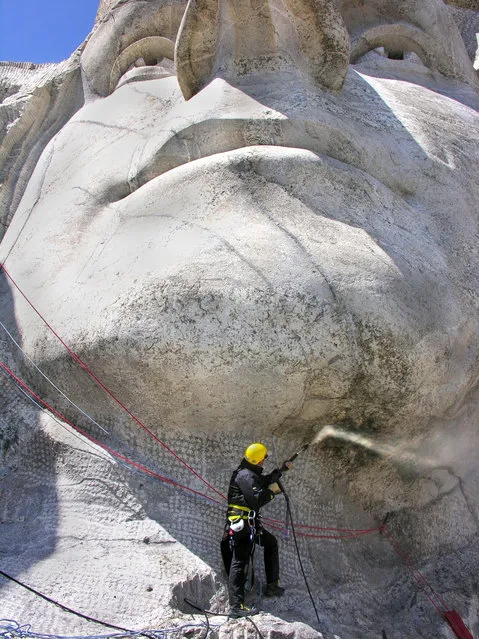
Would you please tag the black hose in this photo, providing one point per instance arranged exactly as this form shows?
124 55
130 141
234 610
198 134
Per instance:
288 507
220 614
207 625
65 608
256 627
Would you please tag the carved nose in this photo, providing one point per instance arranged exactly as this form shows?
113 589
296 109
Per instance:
233 38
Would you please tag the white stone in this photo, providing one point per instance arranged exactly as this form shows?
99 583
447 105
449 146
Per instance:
292 247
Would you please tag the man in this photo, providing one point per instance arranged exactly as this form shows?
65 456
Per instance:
272 251
248 491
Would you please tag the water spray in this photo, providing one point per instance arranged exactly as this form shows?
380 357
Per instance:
384 449
397 452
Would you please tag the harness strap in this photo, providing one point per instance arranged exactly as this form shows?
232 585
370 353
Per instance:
232 515
245 508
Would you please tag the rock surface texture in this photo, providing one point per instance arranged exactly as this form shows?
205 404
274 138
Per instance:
229 221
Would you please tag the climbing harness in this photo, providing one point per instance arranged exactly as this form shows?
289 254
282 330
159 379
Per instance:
237 519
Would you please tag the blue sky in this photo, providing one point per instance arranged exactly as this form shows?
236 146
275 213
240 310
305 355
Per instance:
44 30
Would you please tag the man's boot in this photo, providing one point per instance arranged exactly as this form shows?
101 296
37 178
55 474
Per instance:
273 590
236 612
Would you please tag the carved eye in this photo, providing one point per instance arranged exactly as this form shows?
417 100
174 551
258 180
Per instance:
396 42
395 53
147 58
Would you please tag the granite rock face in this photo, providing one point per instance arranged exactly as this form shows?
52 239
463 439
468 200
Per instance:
251 221
36 100
467 20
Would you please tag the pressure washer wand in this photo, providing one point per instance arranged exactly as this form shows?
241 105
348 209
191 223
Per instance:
286 466
291 459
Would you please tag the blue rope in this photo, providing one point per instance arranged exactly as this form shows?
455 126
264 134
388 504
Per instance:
10 629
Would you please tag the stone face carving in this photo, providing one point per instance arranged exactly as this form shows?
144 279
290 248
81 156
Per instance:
228 40
362 334
280 237
112 37
426 28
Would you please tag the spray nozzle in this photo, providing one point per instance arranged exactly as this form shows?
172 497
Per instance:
291 459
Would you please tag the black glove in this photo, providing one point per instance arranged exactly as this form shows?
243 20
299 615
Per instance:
274 475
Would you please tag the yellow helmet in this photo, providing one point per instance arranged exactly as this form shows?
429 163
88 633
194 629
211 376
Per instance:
255 453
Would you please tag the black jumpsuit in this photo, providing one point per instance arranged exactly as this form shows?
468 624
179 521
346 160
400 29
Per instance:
248 488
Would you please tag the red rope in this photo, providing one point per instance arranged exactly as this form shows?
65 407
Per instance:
354 533
104 446
343 530
140 423
107 390
413 569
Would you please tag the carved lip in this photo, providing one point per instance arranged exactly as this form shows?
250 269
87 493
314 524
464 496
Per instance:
213 136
